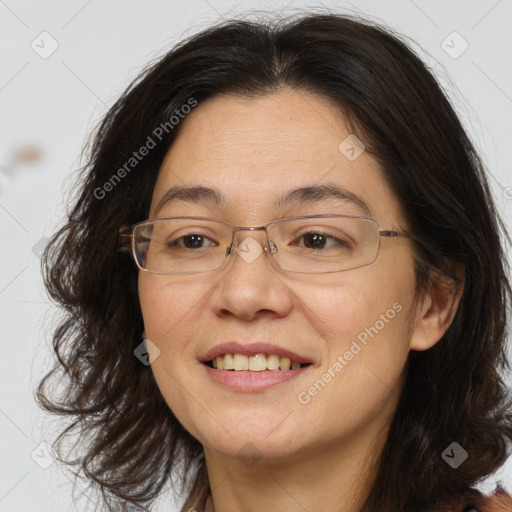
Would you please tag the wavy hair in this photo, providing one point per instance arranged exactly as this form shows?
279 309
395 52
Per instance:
130 443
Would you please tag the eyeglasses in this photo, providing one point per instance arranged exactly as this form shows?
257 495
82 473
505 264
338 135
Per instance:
312 244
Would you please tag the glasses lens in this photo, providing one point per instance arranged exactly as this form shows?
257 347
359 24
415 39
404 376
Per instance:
310 245
324 244
180 246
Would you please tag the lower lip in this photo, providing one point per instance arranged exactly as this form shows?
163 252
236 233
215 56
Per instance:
249 382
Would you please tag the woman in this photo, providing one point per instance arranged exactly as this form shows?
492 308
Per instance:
317 313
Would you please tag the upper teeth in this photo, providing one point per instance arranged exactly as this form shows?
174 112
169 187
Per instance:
256 363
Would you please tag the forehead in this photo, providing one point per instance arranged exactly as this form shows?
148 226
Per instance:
256 150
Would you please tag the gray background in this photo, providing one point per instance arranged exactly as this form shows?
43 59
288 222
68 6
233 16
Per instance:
49 102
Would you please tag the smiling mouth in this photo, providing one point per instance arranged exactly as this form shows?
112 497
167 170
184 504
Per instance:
255 363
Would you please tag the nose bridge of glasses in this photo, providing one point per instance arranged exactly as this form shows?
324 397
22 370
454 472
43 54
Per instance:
261 239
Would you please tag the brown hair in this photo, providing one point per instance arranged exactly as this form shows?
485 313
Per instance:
130 439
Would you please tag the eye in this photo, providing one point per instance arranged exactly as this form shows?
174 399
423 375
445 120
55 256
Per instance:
317 240
192 241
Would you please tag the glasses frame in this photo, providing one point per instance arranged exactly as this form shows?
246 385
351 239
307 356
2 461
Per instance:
127 240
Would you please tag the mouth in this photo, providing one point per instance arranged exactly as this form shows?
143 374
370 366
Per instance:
260 362
253 367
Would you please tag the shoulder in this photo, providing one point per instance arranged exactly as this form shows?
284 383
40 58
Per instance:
499 501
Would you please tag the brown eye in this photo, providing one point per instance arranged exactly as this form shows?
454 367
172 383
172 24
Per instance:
192 241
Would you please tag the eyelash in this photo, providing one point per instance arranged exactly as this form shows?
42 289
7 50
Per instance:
175 243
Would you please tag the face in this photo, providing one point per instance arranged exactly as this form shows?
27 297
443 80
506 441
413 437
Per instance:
355 327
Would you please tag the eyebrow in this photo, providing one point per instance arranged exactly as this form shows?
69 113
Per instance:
301 195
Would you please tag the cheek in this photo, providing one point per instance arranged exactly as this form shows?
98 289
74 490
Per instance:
167 303
368 318
362 372
171 310
360 301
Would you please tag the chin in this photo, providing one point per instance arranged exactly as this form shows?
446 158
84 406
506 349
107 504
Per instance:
247 448
235 437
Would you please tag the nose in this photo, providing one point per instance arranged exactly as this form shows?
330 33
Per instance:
251 284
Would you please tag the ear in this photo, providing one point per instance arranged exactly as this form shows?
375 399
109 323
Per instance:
143 335
436 310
